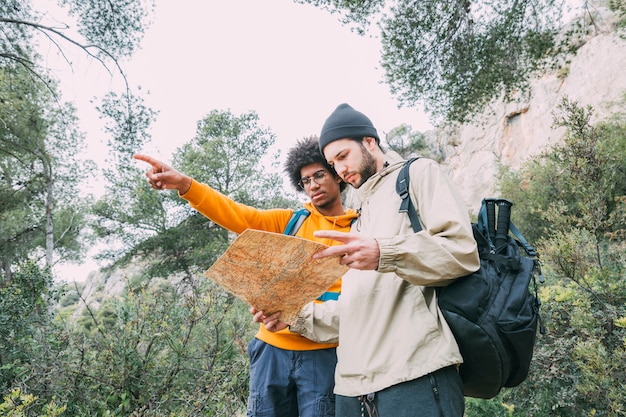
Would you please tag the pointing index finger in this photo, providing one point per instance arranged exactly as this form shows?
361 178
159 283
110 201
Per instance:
338 250
147 159
342 237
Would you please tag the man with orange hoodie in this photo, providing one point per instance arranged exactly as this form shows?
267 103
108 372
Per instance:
290 375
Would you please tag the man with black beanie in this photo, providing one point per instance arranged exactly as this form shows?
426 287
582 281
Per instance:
397 356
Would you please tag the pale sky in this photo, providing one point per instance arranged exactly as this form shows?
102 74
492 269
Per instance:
291 63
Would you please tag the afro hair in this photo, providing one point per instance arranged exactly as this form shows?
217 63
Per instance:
306 152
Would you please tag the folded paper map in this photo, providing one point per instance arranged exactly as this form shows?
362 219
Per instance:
275 272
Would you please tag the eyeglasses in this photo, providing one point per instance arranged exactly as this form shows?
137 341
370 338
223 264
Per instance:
319 177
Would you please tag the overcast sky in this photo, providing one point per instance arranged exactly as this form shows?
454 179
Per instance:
290 63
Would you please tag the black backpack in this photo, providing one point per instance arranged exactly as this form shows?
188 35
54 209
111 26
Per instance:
492 312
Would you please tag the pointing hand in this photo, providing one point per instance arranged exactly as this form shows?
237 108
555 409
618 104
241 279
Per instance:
162 176
357 252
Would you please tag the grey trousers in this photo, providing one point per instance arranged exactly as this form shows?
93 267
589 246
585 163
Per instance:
439 394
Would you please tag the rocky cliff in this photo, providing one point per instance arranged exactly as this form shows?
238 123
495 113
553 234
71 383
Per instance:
508 133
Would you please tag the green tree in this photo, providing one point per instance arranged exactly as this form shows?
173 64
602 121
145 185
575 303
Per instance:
39 140
22 140
454 56
39 174
582 177
129 211
407 143
230 154
26 330
67 206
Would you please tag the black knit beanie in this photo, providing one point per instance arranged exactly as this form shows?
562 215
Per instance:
345 122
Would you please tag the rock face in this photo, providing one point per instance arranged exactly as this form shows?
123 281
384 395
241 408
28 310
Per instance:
101 285
508 133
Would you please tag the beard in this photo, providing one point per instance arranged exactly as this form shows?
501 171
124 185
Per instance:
367 167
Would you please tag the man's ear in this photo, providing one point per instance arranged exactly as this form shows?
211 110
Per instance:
370 143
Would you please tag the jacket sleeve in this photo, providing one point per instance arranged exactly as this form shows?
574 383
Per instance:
319 322
445 248
232 215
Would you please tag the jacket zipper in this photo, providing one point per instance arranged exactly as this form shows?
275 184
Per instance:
433 384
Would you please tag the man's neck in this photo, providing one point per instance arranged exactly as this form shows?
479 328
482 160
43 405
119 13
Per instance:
380 159
335 209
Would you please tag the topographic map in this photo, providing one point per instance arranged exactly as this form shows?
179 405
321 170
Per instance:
275 272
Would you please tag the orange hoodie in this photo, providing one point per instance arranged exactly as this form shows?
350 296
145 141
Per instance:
238 217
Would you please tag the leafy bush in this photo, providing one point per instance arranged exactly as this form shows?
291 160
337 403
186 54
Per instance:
571 201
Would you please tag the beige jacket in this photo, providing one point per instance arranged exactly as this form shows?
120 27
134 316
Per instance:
387 322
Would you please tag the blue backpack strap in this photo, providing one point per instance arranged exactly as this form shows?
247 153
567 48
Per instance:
328 295
522 240
297 218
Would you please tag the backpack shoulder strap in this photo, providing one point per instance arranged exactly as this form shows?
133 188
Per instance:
297 218
402 188
530 250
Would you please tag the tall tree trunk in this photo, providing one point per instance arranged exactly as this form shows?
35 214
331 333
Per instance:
49 216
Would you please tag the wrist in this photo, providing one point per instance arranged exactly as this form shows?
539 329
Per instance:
185 186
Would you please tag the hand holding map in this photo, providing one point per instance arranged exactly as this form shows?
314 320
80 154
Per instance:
275 272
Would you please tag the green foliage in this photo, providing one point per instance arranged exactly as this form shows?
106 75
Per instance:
23 308
161 349
117 28
165 347
28 336
620 6
230 154
407 143
72 297
571 200
358 12
482 408
39 168
39 171
15 38
39 174
188 247
455 56
578 183
22 181
110 30
129 211
18 404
